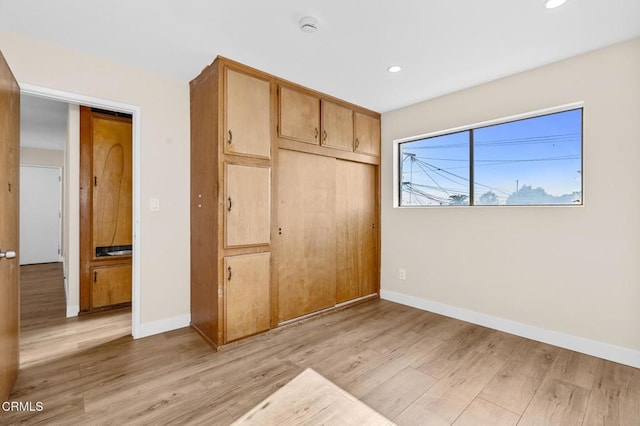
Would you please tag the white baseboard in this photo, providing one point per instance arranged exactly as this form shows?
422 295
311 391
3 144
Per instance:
579 344
72 310
156 327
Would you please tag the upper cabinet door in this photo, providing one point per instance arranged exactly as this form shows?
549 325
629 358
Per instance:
337 126
247 205
299 116
247 117
367 135
112 177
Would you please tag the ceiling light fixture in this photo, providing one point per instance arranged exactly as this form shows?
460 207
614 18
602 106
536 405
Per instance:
308 24
394 68
552 4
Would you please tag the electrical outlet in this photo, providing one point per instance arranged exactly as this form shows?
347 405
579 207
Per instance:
402 274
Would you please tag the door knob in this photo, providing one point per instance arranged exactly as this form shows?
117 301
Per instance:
9 254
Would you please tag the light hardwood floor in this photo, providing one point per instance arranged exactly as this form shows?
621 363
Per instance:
414 367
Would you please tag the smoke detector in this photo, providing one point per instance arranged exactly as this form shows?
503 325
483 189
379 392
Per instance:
309 24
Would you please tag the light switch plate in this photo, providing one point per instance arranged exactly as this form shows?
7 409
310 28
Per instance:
154 204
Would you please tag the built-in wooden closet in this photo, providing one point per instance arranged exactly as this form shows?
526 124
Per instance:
284 202
105 209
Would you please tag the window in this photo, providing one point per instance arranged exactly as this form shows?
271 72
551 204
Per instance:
529 161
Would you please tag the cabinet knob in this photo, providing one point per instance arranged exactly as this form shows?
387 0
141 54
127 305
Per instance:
315 136
229 204
229 273
357 143
230 139
324 135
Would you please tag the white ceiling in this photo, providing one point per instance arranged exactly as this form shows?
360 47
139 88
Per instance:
443 46
43 123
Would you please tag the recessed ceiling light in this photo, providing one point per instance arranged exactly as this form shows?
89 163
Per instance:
552 4
394 68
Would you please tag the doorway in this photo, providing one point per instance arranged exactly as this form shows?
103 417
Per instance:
40 214
74 100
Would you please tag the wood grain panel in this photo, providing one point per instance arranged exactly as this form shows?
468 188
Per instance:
481 412
445 400
9 226
299 116
111 285
393 396
311 399
517 382
337 126
247 294
615 396
247 205
307 231
357 248
367 134
204 202
88 369
247 115
112 179
556 403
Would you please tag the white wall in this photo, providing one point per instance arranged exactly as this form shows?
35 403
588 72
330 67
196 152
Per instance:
41 157
164 103
571 272
71 203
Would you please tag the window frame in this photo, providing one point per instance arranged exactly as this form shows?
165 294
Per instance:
397 160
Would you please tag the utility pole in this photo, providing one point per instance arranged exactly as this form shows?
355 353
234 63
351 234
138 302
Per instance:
517 185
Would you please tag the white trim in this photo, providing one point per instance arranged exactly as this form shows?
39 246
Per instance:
579 344
493 122
135 111
162 326
72 310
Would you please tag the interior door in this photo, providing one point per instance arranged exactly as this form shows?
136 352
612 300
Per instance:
40 197
306 240
9 202
356 262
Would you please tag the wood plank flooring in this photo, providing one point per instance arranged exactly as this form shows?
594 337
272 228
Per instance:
413 367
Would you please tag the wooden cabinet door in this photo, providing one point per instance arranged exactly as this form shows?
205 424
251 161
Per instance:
356 261
247 205
112 171
337 126
299 116
367 134
111 285
248 305
247 115
306 245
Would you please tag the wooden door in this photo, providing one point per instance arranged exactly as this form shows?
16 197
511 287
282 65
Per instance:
299 116
367 134
112 172
9 202
306 245
247 205
247 115
337 126
356 261
111 285
248 305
